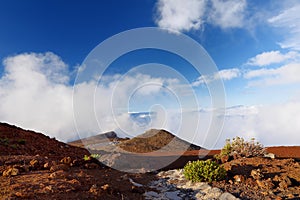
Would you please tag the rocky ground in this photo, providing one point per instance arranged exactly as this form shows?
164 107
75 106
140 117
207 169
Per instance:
34 166
262 178
34 178
172 185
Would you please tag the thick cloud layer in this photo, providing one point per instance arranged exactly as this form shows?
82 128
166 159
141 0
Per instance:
35 94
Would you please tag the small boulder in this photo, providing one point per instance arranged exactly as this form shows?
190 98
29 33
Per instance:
285 183
256 174
265 184
227 196
19 194
11 172
34 164
239 178
58 175
105 187
95 190
47 165
63 167
66 160
270 155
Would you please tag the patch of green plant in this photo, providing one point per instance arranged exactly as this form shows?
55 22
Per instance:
95 155
86 157
208 171
239 148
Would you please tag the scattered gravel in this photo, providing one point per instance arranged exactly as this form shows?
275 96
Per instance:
172 185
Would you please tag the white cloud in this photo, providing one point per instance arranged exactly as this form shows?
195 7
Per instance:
286 74
225 75
228 74
227 14
271 57
203 79
269 124
288 21
180 15
34 94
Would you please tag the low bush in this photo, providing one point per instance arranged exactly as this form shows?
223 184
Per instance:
95 155
208 171
86 157
239 148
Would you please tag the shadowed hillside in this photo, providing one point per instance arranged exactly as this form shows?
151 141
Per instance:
97 139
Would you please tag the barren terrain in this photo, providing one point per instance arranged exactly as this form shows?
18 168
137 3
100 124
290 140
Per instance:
34 166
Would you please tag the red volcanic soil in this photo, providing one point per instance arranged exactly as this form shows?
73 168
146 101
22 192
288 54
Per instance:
16 141
34 166
153 140
285 151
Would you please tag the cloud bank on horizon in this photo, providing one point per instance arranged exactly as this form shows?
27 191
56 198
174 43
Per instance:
35 89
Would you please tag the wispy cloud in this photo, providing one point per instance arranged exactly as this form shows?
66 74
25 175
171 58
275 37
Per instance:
227 14
286 74
288 22
228 74
272 57
225 75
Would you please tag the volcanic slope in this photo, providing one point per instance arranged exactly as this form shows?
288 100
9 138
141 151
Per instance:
16 141
154 140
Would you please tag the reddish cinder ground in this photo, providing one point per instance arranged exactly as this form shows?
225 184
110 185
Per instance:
34 166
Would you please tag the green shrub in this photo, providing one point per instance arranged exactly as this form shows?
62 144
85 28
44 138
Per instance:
207 171
86 157
239 148
95 155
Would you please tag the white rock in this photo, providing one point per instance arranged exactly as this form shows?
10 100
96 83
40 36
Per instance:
213 193
173 195
169 182
204 187
135 183
270 155
227 196
151 194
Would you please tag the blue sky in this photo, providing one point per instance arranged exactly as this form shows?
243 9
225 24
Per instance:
71 30
254 44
